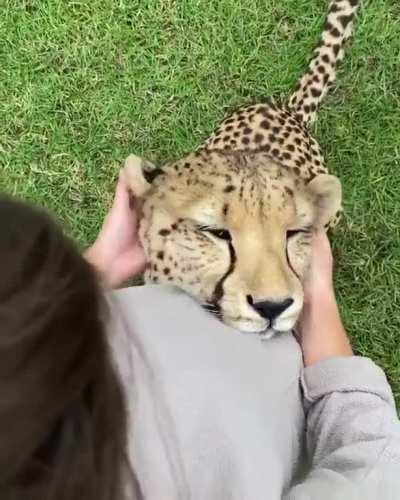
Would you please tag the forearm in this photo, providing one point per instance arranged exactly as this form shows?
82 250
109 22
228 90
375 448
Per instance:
322 331
353 432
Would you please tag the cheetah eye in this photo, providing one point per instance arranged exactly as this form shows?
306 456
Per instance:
222 234
294 232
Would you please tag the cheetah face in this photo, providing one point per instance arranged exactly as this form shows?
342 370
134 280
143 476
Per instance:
234 231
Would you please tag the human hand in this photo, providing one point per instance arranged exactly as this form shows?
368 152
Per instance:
117 253
322 334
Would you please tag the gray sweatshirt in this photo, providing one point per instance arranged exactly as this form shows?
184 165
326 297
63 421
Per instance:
215 414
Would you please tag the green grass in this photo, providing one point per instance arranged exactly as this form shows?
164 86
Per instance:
82 84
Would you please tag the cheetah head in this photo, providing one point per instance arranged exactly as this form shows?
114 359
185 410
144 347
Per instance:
234 231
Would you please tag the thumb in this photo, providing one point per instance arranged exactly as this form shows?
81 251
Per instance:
122 195
128 265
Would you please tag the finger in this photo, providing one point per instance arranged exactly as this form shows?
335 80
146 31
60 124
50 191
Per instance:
124 200
322 239
121 196
125 195
138 259
128 265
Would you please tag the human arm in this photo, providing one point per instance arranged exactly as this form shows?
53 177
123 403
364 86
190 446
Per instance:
322 334
352 429
117 254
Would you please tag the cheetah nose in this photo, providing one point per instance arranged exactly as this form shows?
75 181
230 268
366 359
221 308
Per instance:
271 310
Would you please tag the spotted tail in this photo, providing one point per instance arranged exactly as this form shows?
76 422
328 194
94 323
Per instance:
312 87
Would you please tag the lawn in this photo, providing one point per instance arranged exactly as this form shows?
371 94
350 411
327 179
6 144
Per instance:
84 83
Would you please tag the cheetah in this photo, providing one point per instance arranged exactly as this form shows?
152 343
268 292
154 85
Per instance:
231 223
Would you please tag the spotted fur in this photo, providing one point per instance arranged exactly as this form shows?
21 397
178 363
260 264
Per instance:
231 222
282 130
312 87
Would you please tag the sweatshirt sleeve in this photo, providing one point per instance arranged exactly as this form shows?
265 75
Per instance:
353 433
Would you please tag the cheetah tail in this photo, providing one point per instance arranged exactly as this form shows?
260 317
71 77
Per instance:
312 87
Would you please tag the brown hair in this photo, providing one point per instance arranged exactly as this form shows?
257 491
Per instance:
62 417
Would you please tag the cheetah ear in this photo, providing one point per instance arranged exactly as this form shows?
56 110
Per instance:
326 191
139 174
